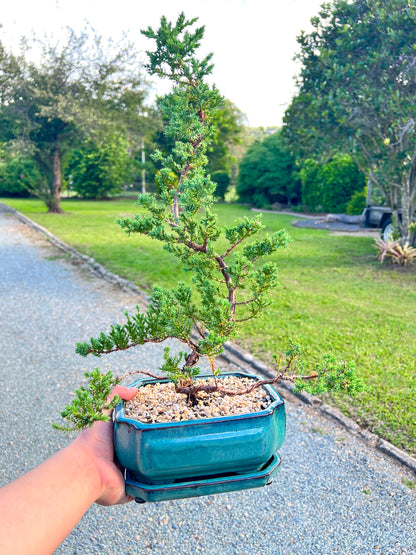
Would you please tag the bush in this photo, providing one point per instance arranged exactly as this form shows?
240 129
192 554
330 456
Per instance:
99 169
267 174
329 187
357 202
18 176
312 188
222 180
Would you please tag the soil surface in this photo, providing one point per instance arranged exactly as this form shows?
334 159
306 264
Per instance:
160 402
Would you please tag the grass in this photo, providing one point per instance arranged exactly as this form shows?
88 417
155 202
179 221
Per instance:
333 297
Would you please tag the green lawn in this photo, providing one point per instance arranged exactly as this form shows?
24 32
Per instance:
333 297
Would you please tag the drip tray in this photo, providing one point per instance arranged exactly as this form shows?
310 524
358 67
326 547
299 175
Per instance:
205 485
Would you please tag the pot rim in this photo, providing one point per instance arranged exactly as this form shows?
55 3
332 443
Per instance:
118 413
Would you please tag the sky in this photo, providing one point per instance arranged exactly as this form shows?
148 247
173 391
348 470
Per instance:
253 41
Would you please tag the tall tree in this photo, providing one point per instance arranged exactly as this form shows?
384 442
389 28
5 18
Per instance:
268 174
229 127
47 107
356 93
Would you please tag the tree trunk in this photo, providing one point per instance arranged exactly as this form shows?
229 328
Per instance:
54 204
405 221
412 205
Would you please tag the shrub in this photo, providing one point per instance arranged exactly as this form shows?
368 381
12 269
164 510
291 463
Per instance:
394 251
267 174
99 168
312 188
231 273
18 176
357 202
329 187
222 181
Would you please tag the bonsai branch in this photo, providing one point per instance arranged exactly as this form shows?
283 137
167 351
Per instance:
193 390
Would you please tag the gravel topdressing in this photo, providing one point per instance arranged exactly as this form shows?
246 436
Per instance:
158 402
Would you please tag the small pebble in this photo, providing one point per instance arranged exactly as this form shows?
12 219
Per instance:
159 402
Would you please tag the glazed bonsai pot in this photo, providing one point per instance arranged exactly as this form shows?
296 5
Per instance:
202 485
208 449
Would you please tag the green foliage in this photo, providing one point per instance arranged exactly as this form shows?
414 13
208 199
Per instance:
329 186
173 369
228 285
267 174
230 267
222 181
409 483
334 297
356 95
99 168
357 203
332 375
90 403
312 187
18 175
47 108
228 136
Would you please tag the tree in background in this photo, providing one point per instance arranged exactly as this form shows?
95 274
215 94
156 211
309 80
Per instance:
222 181
228 124
328 187
47 108
267 174
356 94
229 127
100 167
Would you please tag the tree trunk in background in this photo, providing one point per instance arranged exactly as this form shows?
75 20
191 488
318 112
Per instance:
54 204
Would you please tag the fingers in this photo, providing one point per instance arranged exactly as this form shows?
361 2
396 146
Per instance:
125 393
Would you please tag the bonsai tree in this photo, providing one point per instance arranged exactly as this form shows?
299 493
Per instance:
229 285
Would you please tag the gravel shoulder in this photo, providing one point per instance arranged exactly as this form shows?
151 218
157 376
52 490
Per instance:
333 494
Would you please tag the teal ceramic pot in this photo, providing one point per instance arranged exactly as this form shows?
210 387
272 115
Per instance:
167 452
220 483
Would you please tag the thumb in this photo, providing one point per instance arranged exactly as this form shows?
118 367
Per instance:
125 394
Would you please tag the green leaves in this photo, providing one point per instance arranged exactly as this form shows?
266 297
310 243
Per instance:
332 375
174 56
90 402
171 367
206 314
79 92
243 229
267 246
356 95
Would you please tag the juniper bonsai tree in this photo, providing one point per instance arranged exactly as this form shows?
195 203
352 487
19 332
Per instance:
229 285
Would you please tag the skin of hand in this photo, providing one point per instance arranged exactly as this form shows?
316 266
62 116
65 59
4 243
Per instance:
98 440
39 509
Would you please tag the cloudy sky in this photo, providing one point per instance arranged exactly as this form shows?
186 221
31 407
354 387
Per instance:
253 41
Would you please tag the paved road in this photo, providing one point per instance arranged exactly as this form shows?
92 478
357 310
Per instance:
334 494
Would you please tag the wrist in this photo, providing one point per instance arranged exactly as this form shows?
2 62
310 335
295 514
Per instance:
90 463
98 444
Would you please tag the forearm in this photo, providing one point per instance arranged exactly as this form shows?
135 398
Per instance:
40 508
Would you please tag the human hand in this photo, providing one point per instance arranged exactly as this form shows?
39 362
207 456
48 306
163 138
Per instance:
98 441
